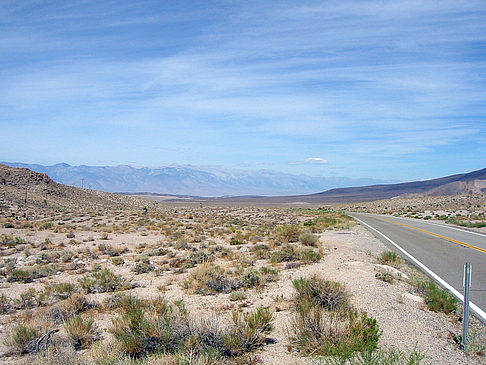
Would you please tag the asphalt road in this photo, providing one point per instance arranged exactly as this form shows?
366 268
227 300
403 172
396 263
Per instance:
441 248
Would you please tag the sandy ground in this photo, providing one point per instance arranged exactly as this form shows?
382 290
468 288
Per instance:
349 258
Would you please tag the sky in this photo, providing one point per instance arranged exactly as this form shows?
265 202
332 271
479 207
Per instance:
379 89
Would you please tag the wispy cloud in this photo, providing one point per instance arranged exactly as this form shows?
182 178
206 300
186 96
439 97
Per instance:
358 81
310 161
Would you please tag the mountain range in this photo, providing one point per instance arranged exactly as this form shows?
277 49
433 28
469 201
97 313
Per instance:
468 183
190 180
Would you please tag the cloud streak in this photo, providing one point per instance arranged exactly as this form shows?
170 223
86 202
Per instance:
357 81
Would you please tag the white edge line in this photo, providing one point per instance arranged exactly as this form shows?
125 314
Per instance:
431 223
479 312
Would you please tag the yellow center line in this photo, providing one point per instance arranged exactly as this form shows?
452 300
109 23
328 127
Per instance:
438 235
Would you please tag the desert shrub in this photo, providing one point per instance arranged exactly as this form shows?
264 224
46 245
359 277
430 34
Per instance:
142 267
237 295
5 304
285 254
67 256
269 274
11 241
160 327
342 333
308 239
140 334
390 258
310 256
109 250
436 299
247 331
251 278
103 281
260 251
390 356
238 239
27 299
323 293
117 261
76 304
287 233
208 278
23 276
82 331
200 257
60 290
21 336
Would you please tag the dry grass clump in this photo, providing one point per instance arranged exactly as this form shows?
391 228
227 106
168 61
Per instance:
82 331
390 258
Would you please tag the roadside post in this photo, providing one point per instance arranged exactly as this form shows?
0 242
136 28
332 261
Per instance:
465 315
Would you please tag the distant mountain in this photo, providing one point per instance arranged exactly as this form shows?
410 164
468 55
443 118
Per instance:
190 180
469 183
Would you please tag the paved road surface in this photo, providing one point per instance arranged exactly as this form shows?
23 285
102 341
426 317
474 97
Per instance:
441 248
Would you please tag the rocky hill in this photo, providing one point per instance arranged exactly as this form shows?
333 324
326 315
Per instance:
26 192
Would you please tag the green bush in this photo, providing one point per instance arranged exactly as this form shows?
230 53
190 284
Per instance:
436 299
315 331
310 256
22 335
103 281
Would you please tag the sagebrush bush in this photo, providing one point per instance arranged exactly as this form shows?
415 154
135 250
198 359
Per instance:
325 324
103 281
287 233
208 278
341 333
318 291
308 239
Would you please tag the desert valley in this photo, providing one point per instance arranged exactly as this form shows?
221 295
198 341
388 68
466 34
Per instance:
89 277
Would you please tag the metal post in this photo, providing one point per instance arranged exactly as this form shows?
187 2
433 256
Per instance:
465 315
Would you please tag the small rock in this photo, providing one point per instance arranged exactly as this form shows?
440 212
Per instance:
397 274
413 297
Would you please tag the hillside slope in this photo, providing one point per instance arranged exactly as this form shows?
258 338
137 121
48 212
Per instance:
29 192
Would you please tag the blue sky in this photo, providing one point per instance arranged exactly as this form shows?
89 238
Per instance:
383 89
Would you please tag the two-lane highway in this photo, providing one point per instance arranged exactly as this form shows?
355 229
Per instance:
442 249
